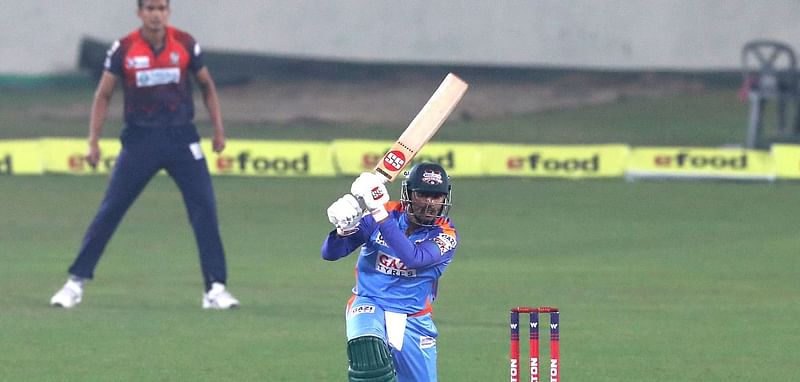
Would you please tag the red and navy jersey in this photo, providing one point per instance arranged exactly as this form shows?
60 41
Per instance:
156 85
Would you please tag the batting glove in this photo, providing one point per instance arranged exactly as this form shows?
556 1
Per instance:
369 188
345 213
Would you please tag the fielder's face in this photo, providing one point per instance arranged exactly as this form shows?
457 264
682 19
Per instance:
425 207
154 15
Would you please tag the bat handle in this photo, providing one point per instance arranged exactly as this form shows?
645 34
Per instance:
385 178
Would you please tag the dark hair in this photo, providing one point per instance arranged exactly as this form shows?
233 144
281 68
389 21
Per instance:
141 2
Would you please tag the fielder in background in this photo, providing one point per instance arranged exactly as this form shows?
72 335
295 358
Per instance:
153 64
405 247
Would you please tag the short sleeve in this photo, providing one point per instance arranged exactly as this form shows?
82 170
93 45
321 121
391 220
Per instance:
196 63
114 57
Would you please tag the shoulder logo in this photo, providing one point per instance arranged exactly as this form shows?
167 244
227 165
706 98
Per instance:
445 242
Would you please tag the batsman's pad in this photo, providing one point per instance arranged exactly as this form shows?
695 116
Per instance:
370 360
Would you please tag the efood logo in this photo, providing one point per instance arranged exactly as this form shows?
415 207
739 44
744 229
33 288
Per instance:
538 162
6 165
245 162
370 160
78 163
701 162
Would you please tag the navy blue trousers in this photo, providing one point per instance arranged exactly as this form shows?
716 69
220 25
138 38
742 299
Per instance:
144 153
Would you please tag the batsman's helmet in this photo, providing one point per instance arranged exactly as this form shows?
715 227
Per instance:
427 177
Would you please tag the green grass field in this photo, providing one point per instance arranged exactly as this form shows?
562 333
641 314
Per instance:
657 281
711 118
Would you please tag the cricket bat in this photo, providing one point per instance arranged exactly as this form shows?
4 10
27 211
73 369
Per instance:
429 119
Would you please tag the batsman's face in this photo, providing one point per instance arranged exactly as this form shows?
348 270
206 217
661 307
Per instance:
154 14
426 206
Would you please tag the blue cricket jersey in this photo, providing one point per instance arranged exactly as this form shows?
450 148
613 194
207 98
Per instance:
400 273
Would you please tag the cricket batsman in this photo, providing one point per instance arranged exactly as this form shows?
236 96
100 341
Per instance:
405 247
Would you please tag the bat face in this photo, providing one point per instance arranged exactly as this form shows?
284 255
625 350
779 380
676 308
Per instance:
429 119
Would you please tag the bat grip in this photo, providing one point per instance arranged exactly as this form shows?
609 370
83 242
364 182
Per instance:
385 178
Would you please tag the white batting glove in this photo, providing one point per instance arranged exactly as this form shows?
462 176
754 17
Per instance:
369 188
345 213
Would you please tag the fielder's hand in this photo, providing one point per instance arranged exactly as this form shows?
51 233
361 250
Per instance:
345 213
369 188
93 156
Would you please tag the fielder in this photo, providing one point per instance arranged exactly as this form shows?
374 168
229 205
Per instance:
153 65
405 247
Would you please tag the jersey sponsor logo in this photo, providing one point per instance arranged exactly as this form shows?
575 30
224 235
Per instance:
155 77
137 62
426 342
445 242
356 310
379 240
393 266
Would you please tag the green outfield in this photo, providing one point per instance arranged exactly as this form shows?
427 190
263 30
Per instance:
656 281
711 118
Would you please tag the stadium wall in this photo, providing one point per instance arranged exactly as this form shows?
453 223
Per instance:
41 37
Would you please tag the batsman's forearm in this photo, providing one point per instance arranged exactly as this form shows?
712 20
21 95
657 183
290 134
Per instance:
335 247
413 255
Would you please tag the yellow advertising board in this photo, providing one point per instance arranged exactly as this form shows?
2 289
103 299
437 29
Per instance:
241 157
458 159
579 161
351 157
786 161
696 162
68 156
270 158
20 157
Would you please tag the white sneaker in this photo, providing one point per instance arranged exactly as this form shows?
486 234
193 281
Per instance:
219 298
68 296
